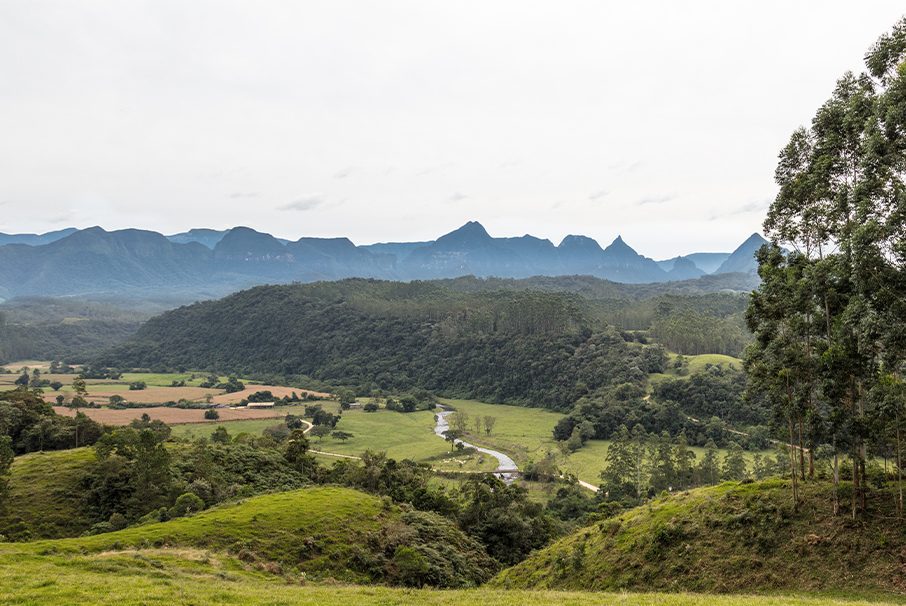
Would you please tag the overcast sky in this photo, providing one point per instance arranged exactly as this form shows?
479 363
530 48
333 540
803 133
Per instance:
660 121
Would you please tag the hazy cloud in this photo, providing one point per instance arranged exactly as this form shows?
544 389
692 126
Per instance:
598 195
745 209
237 195
344 172
456 197
428 170
655 199
624 166
62 218
303 203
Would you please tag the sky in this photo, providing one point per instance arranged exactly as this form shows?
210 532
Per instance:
398 121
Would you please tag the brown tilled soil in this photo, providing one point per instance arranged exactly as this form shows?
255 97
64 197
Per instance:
171 416
100 394
279 392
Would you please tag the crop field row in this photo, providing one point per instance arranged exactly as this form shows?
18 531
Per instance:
174 416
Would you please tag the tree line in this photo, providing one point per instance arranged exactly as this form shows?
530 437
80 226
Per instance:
640 465
828 316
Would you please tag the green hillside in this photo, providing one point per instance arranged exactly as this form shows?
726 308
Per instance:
44 498
530 348
327 532
728 538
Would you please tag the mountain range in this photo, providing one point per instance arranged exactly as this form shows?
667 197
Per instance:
207 262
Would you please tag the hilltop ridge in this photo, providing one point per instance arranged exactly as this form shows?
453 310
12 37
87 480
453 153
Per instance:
207 262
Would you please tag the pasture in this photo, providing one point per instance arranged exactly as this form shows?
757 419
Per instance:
401 436
526 435
175 416
160 387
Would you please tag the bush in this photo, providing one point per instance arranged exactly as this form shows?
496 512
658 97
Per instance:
262 396
211 414
187 503
117 521
411 566
137 386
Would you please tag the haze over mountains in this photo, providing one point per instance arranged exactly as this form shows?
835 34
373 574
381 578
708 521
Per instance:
210 262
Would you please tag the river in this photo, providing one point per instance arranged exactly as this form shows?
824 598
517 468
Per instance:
507 470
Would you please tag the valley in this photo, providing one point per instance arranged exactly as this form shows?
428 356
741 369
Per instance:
247 357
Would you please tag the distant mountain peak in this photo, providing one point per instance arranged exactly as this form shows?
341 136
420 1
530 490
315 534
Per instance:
471 232
472 228
620 248
575 242
755 238
742 260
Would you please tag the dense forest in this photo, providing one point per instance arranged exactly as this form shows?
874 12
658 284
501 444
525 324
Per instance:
706 315
53 328
525 347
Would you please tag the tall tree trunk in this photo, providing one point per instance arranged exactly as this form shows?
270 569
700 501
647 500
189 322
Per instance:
793 474
836 479
801 452
899 468
855 490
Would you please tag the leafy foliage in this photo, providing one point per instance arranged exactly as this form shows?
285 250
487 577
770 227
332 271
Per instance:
32 425
524 347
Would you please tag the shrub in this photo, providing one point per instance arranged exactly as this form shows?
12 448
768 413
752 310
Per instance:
410 566
187 503
117 521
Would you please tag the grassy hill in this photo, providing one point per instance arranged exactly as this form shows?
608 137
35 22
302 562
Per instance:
44 495
325 532
728 538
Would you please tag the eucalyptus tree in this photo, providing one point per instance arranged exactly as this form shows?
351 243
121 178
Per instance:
828 316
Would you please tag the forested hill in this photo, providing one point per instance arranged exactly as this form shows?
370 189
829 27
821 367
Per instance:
532 348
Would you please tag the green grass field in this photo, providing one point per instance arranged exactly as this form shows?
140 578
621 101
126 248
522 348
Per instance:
191 431
401 436
525 434
44 495
200 577
165 379
696 364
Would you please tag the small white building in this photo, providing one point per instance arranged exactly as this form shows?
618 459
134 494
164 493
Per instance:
260 405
